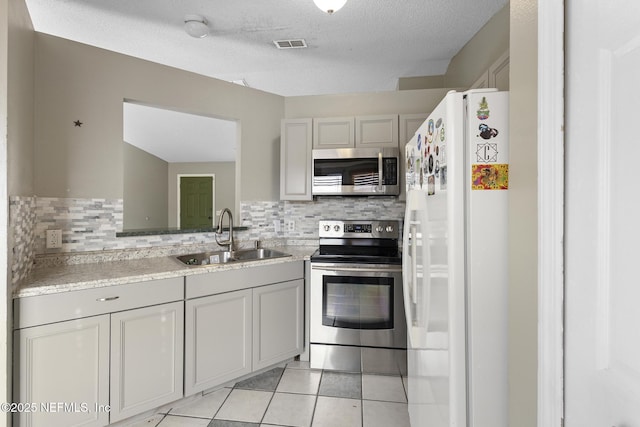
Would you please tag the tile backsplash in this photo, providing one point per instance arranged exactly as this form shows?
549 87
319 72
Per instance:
22 214
90 225
306 215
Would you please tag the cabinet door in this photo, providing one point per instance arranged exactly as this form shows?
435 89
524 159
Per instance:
377 131
295 159
217 340
146 358
66 364
482 81
409 124
499 73
333 132
278 322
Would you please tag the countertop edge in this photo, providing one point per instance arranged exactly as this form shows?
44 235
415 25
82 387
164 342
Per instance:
70 278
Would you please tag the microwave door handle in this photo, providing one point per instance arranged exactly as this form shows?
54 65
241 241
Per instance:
380 170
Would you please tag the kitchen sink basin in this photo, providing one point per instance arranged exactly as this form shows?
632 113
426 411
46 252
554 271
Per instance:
254 254
224 257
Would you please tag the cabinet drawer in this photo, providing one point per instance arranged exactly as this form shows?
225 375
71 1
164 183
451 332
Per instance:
249 277
42 309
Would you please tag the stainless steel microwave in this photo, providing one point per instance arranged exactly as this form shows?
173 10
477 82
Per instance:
356 172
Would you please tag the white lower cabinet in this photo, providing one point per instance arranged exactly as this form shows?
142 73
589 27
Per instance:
146 358
218 340
235 332
93 357
63 369
278 322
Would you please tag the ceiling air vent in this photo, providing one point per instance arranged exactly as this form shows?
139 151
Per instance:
290 44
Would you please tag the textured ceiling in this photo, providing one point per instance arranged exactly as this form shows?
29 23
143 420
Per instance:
364 47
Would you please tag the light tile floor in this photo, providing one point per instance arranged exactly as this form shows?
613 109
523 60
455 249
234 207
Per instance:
295 396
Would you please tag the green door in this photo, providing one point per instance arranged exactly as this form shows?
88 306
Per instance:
196 202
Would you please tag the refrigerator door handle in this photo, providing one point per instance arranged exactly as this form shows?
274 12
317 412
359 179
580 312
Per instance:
415 246
414 264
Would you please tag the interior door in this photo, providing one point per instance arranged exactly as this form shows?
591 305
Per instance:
196 202
602 341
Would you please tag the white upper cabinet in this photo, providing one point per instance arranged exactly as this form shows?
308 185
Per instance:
499 72
295 159
496 76
377 131
359 132
333 132
482 82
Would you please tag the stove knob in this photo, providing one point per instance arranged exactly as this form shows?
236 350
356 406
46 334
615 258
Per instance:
327 227
336 228
379 229
389 228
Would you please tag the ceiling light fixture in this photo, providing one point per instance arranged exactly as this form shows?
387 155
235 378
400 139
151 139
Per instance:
330 6
196 26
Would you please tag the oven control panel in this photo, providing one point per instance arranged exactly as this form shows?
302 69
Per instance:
359 229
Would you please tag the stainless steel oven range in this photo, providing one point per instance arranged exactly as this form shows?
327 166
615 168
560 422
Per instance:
357 321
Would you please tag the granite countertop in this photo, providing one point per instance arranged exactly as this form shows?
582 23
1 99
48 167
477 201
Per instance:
64 278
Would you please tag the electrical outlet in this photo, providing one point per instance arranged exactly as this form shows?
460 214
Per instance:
54 239
291 225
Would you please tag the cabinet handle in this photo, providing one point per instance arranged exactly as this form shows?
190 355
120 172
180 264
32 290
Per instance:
107 299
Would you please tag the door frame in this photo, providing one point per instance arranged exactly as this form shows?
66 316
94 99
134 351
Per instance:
550 213
213 194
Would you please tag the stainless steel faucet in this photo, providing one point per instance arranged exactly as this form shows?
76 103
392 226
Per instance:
229 241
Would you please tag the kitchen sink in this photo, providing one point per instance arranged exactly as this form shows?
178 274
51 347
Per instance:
254 254
224 257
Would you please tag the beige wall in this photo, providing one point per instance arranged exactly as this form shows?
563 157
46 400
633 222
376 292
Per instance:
78 82
145 189
225 185
16 151
20 95
480 52
399 102
5 276
412 83
523 261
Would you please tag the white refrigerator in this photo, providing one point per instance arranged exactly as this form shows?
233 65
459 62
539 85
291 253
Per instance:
455 262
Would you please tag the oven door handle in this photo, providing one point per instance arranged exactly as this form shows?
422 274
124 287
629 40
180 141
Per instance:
359 269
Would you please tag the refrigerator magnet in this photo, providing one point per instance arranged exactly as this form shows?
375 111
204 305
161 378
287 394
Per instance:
483 110
431 185
443 177
486 132
430 130
489 177
487 152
